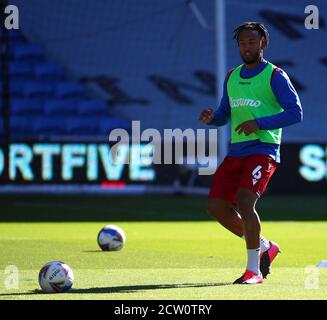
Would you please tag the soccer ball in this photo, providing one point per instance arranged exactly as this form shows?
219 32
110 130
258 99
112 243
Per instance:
56 277
111 238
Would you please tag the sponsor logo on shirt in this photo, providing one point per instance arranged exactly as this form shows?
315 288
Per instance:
244 102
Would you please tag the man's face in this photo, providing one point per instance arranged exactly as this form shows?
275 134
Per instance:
251 44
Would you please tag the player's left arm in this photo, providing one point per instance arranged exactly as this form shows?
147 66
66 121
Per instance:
287 97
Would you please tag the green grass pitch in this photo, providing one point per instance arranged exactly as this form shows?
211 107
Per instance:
161 260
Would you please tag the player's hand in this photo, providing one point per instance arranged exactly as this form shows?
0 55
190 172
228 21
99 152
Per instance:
206 116
247 127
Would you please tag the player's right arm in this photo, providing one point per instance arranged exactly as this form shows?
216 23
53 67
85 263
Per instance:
222 115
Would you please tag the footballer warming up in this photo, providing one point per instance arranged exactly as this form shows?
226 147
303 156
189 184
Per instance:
259 100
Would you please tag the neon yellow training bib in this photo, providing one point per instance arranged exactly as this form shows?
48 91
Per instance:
252 98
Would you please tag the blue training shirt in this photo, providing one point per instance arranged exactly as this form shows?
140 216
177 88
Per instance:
287 97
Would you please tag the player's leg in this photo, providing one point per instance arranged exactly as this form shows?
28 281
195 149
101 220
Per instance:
257 173
246 201
260 169
224 213
222 195
222 198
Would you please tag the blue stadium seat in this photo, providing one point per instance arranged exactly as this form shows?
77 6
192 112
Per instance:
20 126
37 89
69 89
27 52
60 107
49 125
21 69
92 107
23 126
23 106
44 104
82 126
15 88
108 124
49 71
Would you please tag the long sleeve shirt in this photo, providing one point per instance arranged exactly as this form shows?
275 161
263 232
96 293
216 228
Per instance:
292 113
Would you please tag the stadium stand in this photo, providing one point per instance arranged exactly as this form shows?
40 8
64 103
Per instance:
49 71
23 106
60 107
21 70
44 102
26 52
91 107
154 61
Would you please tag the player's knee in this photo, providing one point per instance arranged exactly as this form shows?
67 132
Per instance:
246 203
244 206
216 209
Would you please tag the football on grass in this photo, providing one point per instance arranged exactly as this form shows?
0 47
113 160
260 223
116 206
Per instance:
111 238
56 277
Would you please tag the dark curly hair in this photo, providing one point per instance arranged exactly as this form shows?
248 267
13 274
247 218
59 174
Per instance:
252 26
